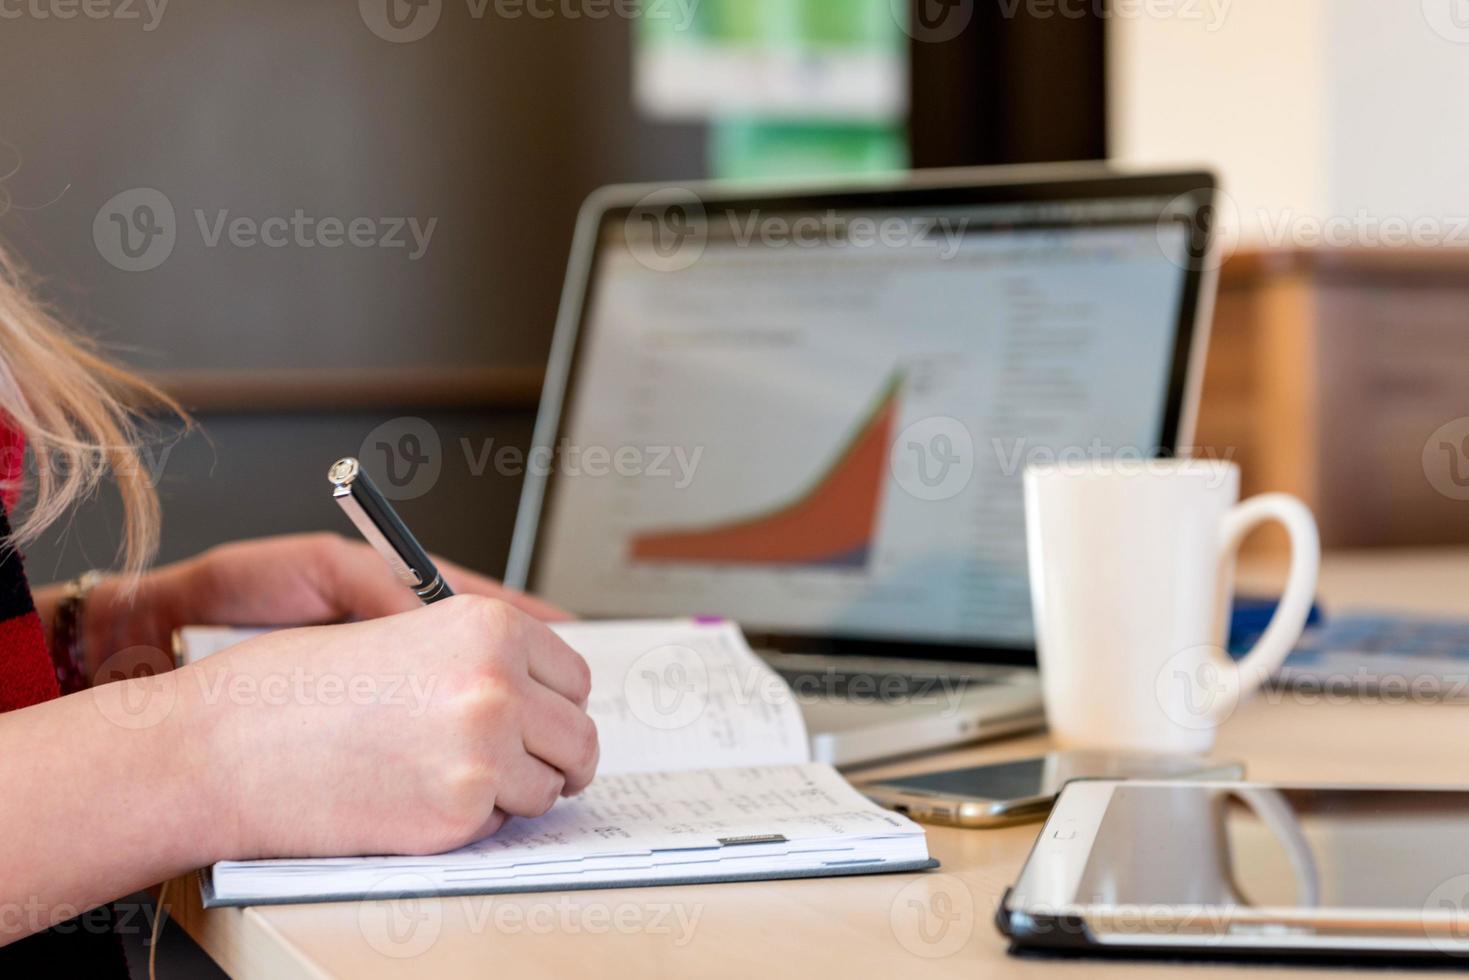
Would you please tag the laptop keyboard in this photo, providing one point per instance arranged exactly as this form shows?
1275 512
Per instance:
872 687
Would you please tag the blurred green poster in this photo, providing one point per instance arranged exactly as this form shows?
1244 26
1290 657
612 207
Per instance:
789 87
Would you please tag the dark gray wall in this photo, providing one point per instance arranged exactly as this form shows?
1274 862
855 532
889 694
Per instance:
250 475
495 127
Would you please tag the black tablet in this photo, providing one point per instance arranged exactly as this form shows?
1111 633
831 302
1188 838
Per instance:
1228 870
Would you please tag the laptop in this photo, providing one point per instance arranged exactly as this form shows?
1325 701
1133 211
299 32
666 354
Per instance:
807 409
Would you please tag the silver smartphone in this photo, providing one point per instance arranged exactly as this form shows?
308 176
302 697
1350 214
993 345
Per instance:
1023 791
1230 870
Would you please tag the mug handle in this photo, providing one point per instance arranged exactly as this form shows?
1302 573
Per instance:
1271 808
1290 616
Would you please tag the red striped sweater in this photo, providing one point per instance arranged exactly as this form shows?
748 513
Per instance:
85 946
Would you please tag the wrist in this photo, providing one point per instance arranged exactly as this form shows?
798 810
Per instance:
208 743
152 733
121 614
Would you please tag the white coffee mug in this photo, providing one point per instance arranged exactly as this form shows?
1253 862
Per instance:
1132 578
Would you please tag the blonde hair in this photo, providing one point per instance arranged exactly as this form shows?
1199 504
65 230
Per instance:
82 418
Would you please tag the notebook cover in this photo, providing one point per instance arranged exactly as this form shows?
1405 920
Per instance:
206 885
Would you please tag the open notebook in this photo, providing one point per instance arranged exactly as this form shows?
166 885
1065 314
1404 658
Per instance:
705 776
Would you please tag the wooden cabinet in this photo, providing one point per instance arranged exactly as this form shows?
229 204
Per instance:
1330 372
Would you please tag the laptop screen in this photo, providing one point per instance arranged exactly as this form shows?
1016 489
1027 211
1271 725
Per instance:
815 421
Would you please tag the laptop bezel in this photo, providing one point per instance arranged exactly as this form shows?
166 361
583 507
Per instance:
938 188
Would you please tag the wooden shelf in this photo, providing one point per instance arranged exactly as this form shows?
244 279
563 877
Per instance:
227 392
1328 372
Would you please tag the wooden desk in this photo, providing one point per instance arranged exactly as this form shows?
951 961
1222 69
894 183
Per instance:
937 924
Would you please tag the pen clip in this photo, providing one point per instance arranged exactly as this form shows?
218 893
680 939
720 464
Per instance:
370 531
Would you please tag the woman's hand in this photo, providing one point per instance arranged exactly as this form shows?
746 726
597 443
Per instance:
417 732
283 581
315 578
414 733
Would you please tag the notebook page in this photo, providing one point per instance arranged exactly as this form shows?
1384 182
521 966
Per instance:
666 694
626 828
193 643
685 694
656 811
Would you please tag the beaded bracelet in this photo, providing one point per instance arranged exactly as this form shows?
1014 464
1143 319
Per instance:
67 653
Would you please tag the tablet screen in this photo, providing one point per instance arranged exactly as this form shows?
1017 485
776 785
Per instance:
1273 847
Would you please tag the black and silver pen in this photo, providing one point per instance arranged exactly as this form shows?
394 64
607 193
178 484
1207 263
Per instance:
385 531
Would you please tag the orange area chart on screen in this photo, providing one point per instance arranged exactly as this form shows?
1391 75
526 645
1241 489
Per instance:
831 524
